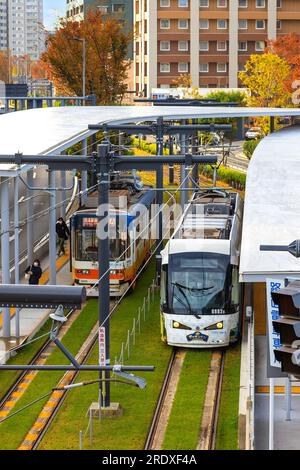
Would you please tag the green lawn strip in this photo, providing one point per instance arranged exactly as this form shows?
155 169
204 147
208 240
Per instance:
23 356
227 435
130 431
14 430
186 416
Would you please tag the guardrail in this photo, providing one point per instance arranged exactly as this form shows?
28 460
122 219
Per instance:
20 103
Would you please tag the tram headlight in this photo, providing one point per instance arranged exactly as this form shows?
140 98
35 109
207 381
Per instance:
216 326
180 326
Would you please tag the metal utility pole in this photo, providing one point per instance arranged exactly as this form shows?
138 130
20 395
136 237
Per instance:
160 175
104 265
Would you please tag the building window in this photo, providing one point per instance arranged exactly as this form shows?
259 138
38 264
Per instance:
222 3
279 4
183 24
164 3
183 46
243 24
222 24
165 45
260 3
164 24
260 24
204 24
165 68
183 67
204 68
222 46
204 45
204 3
221 67
279 24
243 46
183 3
243 3
260 46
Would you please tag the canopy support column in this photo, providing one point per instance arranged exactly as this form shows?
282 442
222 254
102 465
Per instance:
5 250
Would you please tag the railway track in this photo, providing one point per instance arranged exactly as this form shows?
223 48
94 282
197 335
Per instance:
21 384
165 401
209 425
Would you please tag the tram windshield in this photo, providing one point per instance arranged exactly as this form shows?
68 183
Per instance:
198 284
86 241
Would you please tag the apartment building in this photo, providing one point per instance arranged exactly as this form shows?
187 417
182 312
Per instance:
121 10
3 24
21 27
209 39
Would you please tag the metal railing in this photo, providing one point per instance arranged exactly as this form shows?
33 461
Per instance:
20 103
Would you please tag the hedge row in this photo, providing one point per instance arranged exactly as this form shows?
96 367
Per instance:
234 178
249 147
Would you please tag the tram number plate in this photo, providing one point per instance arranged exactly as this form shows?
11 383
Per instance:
197 336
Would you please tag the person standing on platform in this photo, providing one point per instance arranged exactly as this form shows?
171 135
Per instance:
34 273
63 234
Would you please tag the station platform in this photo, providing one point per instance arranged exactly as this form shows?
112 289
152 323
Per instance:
31 320
286 433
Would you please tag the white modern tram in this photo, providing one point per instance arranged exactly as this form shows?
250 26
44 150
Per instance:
200 291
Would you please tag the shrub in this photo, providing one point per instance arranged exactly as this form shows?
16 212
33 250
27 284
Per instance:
249 147
234 178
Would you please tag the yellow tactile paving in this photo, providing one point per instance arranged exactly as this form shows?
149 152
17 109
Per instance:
278 389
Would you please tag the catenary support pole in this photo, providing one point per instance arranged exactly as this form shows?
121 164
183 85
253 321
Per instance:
17 247
160 174
52 229
63 206
171 167
29 209
84 178
271 413
5 251
288 398
104 265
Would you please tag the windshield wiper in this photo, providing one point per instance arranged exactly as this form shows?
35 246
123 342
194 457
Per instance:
191 312
199 289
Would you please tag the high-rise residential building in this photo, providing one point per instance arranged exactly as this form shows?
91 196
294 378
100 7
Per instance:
122 10
21 27
3 24
209 39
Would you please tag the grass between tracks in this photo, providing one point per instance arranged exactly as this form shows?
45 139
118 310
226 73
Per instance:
13 431
186 416
23 356
130 431
227 434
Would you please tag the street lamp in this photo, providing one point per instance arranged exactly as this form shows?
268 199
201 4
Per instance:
84 64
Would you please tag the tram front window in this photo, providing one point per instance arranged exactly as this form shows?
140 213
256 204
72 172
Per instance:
87 246
198 283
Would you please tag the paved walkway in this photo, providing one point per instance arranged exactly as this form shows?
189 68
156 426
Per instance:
31 320
286 433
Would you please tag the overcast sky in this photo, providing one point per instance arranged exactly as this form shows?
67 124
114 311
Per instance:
53 9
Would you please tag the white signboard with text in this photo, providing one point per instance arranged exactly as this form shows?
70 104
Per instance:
273 285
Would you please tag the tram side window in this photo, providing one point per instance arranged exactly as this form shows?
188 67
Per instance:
164 284
235 286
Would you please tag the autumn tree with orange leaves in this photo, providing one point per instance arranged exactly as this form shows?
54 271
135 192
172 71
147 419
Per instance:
288 48
106 64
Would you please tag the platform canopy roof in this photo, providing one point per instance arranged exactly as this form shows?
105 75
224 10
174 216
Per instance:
272 207
48 131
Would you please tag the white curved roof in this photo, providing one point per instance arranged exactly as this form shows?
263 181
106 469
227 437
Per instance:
272 207
52 130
